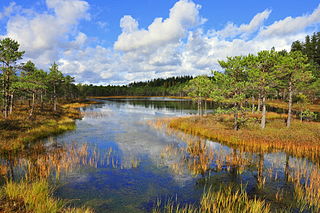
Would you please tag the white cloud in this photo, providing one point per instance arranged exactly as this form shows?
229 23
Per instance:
183 16
244 29
7 11
162 50
44 34
289 25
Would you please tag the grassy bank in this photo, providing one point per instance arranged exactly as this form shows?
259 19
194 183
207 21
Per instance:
302 139
35 197
296 107
33 193
17 131
21 129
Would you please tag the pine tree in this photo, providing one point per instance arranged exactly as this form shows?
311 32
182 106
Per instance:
9 55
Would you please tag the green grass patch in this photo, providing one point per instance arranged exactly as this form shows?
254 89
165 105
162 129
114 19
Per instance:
33 197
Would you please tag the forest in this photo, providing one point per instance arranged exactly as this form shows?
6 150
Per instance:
24 82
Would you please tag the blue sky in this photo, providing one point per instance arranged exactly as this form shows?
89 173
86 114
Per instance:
120 41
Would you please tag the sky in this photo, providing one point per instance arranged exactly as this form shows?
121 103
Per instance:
116 42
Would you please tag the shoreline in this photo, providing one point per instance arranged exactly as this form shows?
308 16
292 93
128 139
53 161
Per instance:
270 103
301 140
46 124
36 193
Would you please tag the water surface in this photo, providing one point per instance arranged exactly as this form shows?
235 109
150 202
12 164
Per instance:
130 165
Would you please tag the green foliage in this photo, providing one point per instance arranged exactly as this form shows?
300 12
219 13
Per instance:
311 48
9 52
199 87
233 86
156 87
26 81
308 115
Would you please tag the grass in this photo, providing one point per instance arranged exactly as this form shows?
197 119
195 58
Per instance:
301 139
81 103
20 130
228 199
284 105
33 197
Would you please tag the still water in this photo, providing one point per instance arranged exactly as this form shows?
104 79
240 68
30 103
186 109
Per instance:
130 164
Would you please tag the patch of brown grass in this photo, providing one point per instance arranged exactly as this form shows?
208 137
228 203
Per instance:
302 139
20 129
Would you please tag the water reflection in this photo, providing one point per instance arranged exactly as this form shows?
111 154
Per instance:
117 161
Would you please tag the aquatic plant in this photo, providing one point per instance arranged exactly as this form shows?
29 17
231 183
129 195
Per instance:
228 198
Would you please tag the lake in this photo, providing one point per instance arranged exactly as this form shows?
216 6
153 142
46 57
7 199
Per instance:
128 165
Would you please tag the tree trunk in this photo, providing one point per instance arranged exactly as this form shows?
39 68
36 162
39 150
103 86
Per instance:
264 111
205 106
259 103
11 104
289 105
32 107
41 100
198 103
253 104
6 96
236 118
54 99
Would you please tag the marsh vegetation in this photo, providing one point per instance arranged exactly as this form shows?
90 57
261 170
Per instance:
243 140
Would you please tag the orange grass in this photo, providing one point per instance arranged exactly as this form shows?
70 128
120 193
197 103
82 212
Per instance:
301 140
19 130
284 105
80 104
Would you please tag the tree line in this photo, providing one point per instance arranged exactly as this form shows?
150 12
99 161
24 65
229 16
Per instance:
269 74
25 82
154 87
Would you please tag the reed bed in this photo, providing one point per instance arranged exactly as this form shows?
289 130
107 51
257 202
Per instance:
303 176
228 199
301 140
27 186
80 104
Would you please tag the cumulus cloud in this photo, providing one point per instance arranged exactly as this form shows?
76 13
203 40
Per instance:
244 30
289 25
44 34
183 16
179 46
